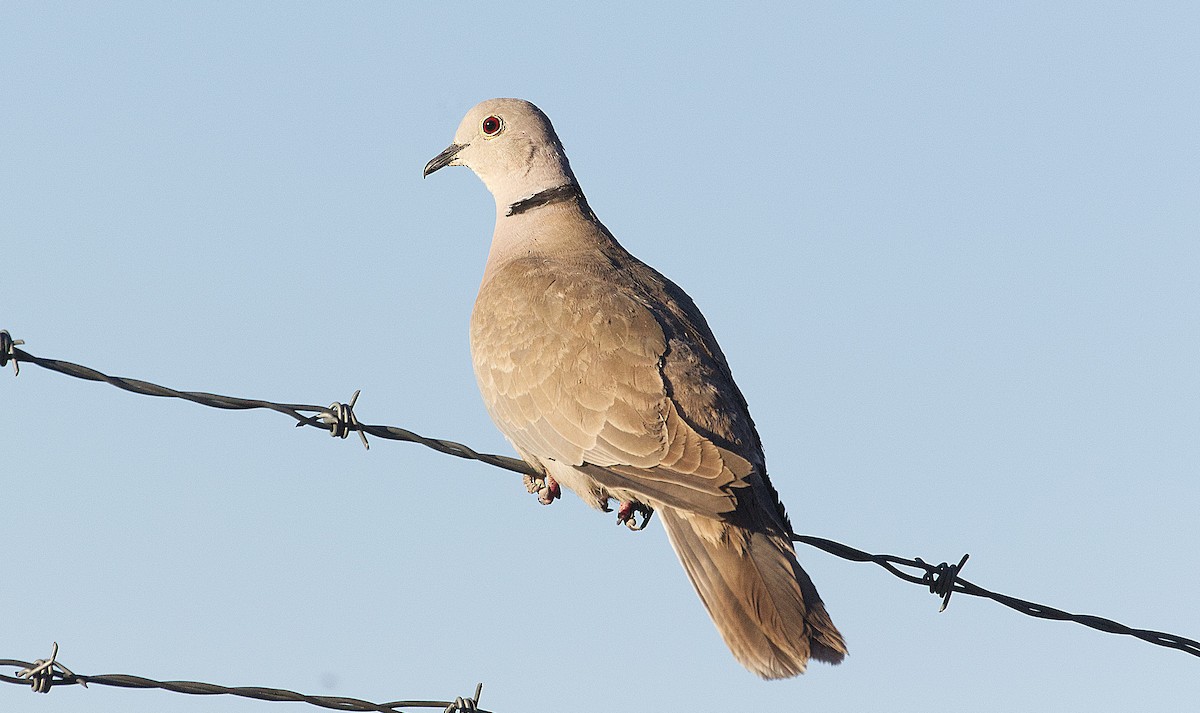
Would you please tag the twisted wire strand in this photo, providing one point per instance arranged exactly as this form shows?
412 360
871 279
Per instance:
46 674
339 420
323 417
943 580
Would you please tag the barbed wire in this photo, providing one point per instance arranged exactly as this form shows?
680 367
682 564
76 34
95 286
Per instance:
943 580
339 419
44 674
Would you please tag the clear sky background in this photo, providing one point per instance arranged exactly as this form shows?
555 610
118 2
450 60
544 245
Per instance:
951 252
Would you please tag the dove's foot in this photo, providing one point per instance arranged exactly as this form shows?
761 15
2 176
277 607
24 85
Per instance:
545 486
627 515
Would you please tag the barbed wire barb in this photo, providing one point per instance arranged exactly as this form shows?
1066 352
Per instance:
7 351
466 704
339 419
942 578
41 673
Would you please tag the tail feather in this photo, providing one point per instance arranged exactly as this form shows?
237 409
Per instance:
762 602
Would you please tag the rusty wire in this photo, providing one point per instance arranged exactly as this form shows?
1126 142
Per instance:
339 419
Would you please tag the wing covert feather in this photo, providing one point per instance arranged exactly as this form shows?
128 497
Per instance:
585 386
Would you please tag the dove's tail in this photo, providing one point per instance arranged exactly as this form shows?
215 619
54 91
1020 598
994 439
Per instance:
763 603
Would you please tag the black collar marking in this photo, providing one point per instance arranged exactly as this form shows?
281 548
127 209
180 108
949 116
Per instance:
565 192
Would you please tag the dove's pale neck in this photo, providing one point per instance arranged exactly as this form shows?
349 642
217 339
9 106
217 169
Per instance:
554 224
544 169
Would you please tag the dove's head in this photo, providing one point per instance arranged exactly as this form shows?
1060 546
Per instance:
511 146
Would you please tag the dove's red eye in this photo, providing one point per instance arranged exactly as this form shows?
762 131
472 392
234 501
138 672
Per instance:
492 125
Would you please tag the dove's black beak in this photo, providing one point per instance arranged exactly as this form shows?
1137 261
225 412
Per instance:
444 158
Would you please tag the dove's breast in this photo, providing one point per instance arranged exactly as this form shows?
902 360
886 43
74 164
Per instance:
568 364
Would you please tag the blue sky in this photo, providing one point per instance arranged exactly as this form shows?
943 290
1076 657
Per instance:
951 252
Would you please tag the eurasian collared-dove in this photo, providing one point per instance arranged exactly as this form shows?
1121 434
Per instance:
606 378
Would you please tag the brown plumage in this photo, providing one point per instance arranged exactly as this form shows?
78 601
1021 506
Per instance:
605 376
